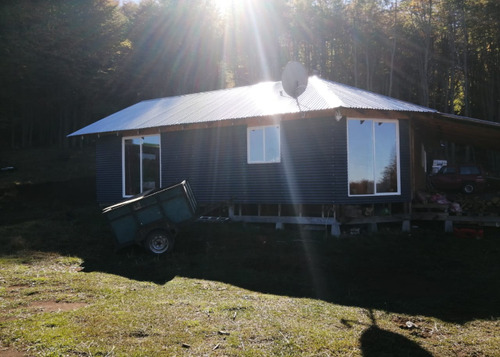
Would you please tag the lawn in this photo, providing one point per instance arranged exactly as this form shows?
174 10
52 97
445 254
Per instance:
233 289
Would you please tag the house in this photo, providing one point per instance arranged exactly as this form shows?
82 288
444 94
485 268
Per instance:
334 155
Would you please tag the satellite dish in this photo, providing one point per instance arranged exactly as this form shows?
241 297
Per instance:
294 79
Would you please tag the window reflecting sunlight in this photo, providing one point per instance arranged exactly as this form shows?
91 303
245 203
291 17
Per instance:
141 164
373 157
263 144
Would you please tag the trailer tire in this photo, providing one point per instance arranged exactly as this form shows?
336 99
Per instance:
159 241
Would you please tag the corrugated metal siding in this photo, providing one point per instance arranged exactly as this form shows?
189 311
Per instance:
209 158
340 162
307 161
215 163
313 167
109 169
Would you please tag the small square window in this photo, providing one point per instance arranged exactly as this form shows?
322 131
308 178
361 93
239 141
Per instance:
263 144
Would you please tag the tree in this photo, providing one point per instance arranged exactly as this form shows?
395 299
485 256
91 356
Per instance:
57 59
65 64
483 23
174 49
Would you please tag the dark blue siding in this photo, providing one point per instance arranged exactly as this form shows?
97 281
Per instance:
212 160
215 163
313 167
307 161
340 162
109 169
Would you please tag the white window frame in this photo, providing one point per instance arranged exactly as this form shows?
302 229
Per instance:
141 167
263 128
374 120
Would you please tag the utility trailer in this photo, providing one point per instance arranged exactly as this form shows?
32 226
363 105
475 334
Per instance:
153 218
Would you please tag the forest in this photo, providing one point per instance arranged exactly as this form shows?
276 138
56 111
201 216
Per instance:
65 64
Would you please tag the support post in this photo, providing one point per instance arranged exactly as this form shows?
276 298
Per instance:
372 227
448 226
405 227
335 230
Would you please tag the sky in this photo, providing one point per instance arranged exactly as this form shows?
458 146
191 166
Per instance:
124 1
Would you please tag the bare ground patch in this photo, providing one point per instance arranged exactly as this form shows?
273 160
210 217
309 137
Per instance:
10 352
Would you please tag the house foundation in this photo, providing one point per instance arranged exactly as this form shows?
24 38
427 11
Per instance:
280 215
316 215
349 219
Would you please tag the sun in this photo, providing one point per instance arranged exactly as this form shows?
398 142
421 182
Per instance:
223 6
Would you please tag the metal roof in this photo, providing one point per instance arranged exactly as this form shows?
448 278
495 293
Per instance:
259 100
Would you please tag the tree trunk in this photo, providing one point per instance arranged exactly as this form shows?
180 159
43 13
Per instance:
465 65
393 49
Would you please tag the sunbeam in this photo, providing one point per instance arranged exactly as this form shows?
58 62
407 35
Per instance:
256 29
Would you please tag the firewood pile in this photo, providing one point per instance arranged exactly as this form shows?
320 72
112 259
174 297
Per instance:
461 204
479 205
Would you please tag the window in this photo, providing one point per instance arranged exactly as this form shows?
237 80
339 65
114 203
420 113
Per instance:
469 170
373 157
447 170
141 164
263 144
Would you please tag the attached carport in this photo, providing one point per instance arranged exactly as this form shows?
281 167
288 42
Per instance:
456 139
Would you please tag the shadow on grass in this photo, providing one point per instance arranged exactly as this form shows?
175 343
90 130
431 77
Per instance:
425 273
376 341
419 274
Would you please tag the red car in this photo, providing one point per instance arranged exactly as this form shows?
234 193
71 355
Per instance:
468 178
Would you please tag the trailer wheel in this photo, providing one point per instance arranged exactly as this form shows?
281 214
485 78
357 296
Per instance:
159 241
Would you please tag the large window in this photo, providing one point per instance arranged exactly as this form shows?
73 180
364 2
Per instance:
373 157
141 164
263 144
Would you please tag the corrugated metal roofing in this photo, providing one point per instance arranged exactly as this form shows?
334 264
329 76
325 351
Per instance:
263 99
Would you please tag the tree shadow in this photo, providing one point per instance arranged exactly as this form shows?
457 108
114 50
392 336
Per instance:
426 273
376 342
453 280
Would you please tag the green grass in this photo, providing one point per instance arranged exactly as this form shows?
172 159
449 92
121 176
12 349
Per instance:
236 290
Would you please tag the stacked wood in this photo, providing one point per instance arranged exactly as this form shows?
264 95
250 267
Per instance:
479 205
